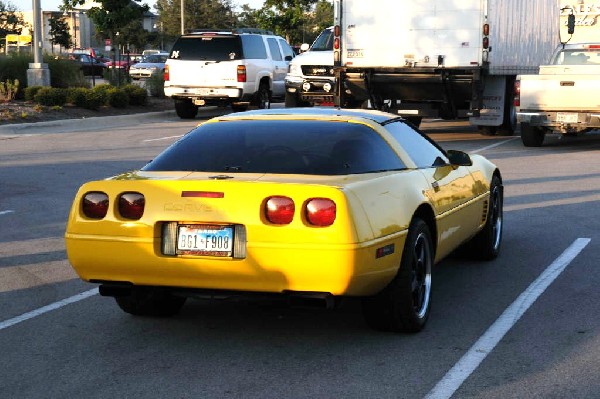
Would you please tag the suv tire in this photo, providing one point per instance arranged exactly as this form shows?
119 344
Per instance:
185 109
262 98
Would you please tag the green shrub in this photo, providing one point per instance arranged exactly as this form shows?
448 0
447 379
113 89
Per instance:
64 73
30 92
118 98
94 99
51 96
14 67
8 89
77 96
137 95
102 90
156 85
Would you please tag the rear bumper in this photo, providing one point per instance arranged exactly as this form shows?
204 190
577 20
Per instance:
230 93
336 269
562 122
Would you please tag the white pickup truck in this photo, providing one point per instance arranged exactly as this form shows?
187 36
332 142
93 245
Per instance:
563 98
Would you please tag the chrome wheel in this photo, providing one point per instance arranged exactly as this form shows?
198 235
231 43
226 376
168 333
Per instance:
420 275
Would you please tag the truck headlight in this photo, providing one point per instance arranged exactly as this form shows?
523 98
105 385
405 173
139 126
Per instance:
295 70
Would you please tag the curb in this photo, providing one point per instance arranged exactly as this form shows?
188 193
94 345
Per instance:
83 124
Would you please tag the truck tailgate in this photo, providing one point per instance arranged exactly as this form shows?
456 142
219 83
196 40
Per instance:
202 73
561 92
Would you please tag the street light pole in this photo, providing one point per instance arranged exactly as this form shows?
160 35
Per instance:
38 73
182 16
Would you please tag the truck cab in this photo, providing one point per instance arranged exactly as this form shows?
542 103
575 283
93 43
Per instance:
310 79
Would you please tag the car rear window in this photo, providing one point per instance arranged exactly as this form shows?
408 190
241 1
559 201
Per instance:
207 48
283 147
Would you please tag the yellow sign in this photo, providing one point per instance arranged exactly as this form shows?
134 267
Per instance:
21 40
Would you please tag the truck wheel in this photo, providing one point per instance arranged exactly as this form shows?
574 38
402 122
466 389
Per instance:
292 101
509 122
532 136
404 305
185 109
262 98
487 130
146 301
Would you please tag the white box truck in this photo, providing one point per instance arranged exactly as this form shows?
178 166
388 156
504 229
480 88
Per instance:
442 58
563 99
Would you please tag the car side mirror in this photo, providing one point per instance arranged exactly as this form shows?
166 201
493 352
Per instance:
459 158
288 57
304 47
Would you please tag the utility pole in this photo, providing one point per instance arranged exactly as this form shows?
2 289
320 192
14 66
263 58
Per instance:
38 73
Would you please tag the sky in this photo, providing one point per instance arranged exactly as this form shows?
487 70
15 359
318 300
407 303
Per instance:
52 5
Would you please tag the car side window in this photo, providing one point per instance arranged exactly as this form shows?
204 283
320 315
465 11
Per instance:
423 152
254 47
286 49
274 48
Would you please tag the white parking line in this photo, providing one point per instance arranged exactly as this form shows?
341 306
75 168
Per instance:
47 308
5 212
492 145
164 138
454 378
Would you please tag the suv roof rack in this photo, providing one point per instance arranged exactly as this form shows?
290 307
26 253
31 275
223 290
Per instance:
236 31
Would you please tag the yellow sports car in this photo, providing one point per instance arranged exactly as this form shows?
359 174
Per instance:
318 203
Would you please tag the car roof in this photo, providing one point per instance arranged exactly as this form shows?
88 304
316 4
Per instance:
317 113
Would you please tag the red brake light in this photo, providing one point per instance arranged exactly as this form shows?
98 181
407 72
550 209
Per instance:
166 75
517 99
280 210
336 43
486 42
131 205
95 205
320 211
241 73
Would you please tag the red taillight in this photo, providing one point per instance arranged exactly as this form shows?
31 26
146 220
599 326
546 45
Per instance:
320 211
517 99
166 75
279 210
241 73
131 205
95 205
336 43
486 43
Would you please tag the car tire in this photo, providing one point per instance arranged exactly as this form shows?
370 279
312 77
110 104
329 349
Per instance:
532 136
262 98
147 301
404 305
185 109
486 244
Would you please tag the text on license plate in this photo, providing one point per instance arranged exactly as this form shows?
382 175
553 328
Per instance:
566 117
205 239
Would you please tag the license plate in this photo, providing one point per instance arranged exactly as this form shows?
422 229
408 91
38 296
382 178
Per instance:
207 240
566 117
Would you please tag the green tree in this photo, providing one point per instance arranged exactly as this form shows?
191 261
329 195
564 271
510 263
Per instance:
249 17
113 16
198 14
286 17
59 31
11 21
